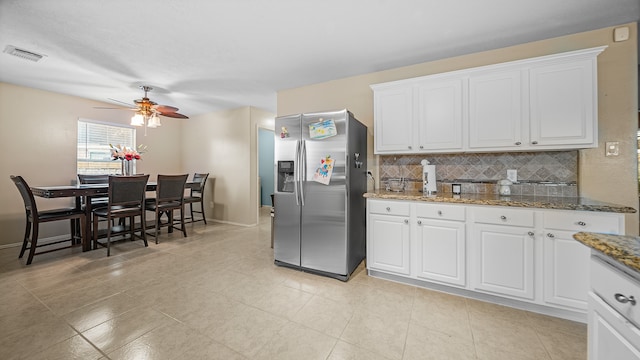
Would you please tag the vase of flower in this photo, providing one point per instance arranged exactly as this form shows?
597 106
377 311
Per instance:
126 167
126 157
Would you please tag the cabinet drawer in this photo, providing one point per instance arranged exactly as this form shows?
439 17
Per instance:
582 221
501 216
389 208
615 288
442 212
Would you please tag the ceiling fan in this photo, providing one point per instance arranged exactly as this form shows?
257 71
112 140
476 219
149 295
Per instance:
147 112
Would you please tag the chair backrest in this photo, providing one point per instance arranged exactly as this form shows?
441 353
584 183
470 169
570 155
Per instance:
27 196
93 179
198 189
171 188
127 191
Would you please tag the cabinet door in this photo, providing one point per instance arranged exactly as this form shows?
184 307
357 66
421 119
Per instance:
495 110
439 116
566 270
503 260
393 120
388 244
611 336
441 251
563 103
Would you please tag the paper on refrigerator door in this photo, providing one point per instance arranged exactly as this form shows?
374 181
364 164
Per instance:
322 129
324 171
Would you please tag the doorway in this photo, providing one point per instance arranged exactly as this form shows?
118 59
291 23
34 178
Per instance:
266 144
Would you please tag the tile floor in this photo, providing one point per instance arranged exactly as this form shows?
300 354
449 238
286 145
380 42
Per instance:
217 295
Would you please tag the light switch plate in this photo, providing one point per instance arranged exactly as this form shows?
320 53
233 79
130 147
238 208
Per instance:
512 175
612 148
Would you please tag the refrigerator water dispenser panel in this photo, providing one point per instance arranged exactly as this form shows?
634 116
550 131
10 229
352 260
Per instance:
285 176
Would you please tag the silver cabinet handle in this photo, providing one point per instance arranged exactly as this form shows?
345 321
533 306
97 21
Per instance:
419 222
503 217
518 143
388 208
440 212
410 147
550 235
421 147
582 223
530 233
534 142
623 299
406 221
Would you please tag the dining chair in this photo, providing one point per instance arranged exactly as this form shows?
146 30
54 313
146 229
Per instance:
197 196
126 200
169 197
35 217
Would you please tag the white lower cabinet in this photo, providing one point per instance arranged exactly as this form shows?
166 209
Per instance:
565 260
440 243
613 313
525 255
504 260
388 238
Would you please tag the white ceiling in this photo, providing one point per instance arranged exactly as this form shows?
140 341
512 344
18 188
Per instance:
204 56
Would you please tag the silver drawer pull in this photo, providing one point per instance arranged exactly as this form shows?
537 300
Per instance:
518 143
534 142
623 299
582 223
406 221
439 212
550 235
503 217
388 208
530 233
419 222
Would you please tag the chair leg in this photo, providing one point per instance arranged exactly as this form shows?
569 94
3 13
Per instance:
34 242
143 228
204 218
158 214
184 228
25 241
191 210
94 239
109 236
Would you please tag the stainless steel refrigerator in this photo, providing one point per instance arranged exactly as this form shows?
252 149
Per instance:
320 178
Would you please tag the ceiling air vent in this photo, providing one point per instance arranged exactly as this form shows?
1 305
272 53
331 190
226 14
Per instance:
24 54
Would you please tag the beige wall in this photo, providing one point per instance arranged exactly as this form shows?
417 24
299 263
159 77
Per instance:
224 144
600 178
38 132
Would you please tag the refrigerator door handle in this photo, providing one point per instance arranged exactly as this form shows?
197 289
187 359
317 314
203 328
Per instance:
303 171
346 169
296 173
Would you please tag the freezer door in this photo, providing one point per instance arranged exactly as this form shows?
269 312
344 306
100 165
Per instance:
324 242
286 231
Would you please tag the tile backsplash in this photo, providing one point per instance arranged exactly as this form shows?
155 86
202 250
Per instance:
539 173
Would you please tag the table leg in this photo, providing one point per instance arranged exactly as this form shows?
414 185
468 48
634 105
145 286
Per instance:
86 239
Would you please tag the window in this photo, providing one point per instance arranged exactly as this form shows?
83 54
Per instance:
94 152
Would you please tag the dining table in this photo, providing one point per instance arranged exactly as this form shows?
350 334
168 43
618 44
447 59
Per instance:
83 194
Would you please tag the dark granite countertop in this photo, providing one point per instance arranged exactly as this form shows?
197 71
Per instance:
624 249
526 201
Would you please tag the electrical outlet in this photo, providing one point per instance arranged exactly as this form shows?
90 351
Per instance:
512 175
612 148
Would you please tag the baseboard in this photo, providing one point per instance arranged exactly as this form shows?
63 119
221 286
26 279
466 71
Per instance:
40 241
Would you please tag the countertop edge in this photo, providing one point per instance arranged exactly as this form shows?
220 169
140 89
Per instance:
496 200
624 249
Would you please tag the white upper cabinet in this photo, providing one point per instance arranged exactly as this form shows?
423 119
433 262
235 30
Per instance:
495 110
563 104
439 115
394 120
544 103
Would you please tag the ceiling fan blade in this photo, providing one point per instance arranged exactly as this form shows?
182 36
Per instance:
174 115
121 102
165 108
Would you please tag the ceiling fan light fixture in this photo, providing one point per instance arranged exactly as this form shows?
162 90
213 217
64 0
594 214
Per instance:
137 120
154 121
